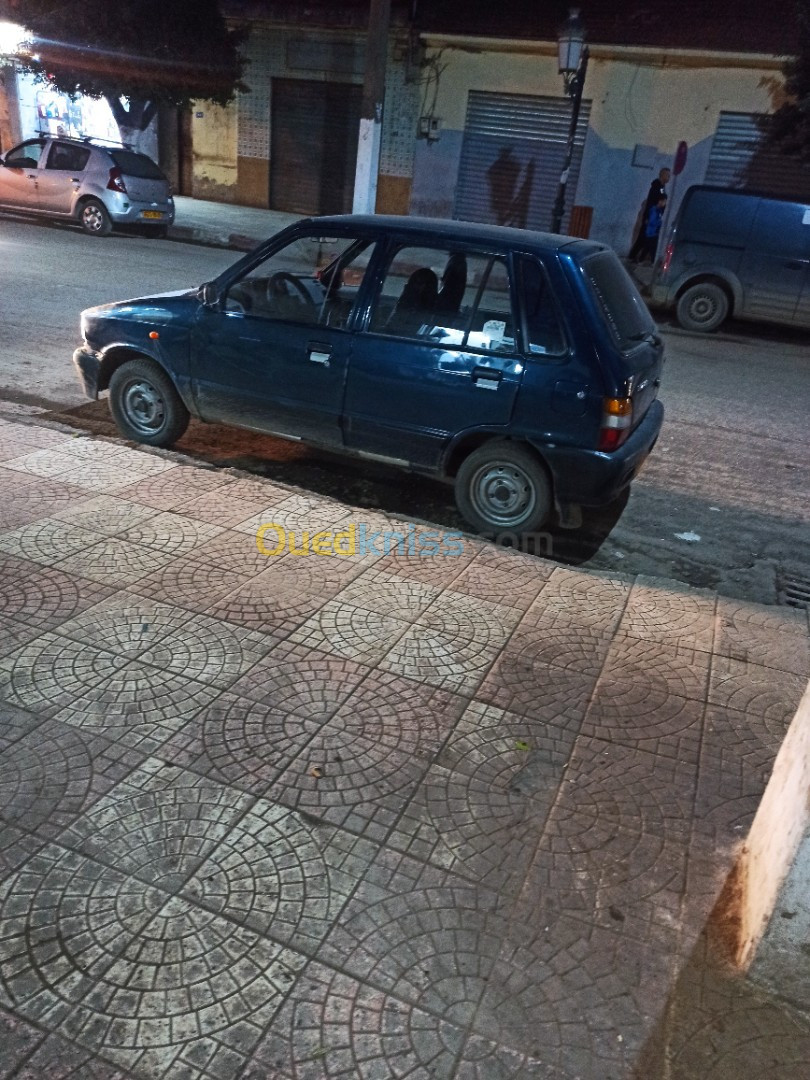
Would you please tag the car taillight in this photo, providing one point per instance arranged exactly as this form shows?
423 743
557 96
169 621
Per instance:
667 259
617 419
116 181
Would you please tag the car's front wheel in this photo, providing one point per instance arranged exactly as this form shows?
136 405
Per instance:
94 219
503 487
145 405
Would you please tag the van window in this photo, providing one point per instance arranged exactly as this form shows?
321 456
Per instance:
618 300
717 217
778 230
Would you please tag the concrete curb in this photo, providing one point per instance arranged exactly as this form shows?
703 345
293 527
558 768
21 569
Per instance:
192 234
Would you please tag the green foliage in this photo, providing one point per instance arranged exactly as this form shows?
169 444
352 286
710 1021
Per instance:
154 52
790 129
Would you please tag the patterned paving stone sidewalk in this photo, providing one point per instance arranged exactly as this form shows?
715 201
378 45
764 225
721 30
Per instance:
367 815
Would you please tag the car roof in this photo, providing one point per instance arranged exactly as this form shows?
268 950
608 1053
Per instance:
750 193
459 231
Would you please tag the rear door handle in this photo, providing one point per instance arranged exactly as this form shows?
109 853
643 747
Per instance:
319 355
486 378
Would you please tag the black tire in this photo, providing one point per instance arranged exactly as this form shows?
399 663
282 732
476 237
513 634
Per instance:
703 307
145 405
503 487
94 219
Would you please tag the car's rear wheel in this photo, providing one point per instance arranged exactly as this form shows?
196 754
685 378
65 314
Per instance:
94 219
145 405
503 487
702 307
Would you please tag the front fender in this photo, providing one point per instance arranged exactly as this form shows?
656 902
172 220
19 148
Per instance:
114 355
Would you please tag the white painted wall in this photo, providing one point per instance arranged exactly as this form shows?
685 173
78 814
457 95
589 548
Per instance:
655 101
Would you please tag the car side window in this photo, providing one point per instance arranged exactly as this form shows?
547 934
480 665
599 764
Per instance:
25 156
542 326
448 296
313 280
68 157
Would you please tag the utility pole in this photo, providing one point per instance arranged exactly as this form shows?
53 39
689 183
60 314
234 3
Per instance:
371 112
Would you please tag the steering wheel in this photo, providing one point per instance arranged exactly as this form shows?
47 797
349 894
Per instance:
276 287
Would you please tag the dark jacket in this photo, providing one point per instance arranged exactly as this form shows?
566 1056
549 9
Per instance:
657 189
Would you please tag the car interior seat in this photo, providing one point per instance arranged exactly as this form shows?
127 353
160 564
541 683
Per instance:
416 304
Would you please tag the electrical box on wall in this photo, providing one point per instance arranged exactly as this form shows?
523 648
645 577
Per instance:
429 127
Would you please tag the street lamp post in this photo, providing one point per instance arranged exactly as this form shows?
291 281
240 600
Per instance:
573 64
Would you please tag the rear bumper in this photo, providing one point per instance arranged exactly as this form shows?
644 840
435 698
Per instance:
87 366
124 211
593 478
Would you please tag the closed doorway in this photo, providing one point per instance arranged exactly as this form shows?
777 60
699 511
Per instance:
313 145
512 156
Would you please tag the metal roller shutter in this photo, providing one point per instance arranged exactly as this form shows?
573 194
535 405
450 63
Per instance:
313 145
738 159
512 156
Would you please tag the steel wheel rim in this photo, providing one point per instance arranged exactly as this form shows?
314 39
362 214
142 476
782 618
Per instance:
143 407
92 217
703 308
503 494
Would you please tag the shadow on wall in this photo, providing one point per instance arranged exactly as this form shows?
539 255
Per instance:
509 195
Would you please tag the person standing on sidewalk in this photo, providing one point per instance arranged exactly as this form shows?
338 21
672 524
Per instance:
657 188
650 231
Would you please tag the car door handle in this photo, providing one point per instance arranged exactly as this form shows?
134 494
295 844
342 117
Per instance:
320 356
796 264
75 179
486 378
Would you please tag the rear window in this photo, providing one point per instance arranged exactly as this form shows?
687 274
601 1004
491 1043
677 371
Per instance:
137 165
618 300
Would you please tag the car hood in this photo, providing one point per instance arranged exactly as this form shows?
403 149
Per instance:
160 308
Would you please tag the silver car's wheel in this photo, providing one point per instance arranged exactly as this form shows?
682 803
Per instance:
145 405
503 487
94 218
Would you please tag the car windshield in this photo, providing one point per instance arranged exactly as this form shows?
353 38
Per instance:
620 303
138 165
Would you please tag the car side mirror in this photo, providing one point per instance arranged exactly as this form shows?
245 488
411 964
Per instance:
207 294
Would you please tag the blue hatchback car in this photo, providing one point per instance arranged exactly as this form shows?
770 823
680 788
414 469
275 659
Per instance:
521 367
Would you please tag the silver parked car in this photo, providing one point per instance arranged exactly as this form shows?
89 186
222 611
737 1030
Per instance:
99 185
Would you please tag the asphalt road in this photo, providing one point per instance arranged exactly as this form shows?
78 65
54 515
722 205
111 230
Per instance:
49 273
723 502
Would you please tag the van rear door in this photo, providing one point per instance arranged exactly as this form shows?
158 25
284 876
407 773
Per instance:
776 260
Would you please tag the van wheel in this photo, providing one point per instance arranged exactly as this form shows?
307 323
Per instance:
702 307
145 405
502 487
94 218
